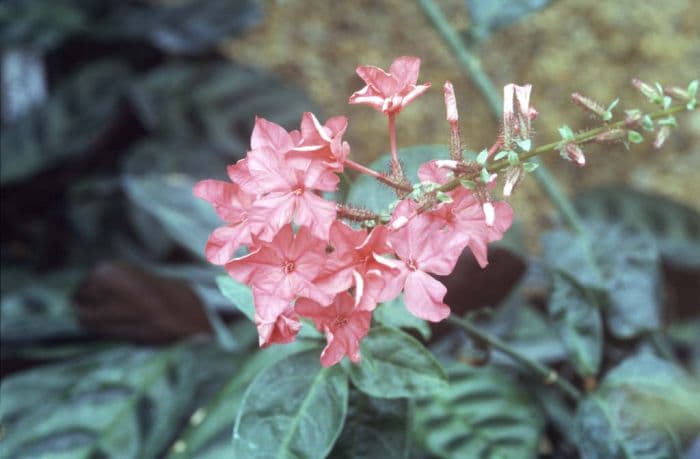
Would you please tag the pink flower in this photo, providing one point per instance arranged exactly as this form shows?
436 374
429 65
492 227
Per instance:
288 194
232 205
322 142
390 92
275 319
343 325
424 248
285 267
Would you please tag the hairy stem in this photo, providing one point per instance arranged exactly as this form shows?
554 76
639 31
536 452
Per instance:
547 375
376 175
395 164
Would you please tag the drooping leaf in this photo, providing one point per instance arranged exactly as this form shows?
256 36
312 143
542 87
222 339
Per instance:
487 16
622 268
394 314
208 433
375 428
215 102
609 427
674 227
38 24
576 317
396 365
67 125
372 195
482 413
123 403
184 26
301 413
39 310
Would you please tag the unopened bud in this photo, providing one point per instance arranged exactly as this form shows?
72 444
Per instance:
489 213
633 118
679 94
588 104
611 136
648 90
513 177
450 164
573 153
661 136
450 102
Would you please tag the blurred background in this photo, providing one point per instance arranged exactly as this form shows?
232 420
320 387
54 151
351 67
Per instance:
112 110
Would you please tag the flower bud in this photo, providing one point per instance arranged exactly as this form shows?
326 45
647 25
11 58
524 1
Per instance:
661 136
450 103
514 175
611 136
679 94
573 152
588 104
648 90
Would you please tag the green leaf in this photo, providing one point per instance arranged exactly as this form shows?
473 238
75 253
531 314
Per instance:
370 194
525 145
482 413
375 428
482 157
530 167
240 295
395 365
634 137
39 24
216 103
674 227
621 267
609 427
295 408
501 154
484 175
513 158
394 314
208 433
186 26
576 317
663 391
67 125
123 403
566 133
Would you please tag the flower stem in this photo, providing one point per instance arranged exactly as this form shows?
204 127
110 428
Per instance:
548 375
376 175
395 164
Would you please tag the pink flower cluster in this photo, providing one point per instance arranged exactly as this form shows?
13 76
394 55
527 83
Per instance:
303 260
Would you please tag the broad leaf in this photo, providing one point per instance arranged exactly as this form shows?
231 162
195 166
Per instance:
372 195
610 427
673 226
68 124
394 314
374 429
490 15
117 404
482 413
185 26
576 317
208 434
214 102
239 294
623 268
396 365
294 409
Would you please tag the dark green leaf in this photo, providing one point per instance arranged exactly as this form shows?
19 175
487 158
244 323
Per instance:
239 294
186 26
208 434
38 24
609 427
395 365
482 413
489 15
67 125
295 408
370 194
123 404
674 227
374 429
576 317
623 268
394 314
215 102
40 310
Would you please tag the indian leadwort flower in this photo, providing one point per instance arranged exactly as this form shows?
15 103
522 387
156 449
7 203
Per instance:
390 92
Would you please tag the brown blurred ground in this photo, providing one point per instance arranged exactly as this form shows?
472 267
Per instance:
595 47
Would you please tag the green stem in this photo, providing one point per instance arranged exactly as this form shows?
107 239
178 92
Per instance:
548 375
